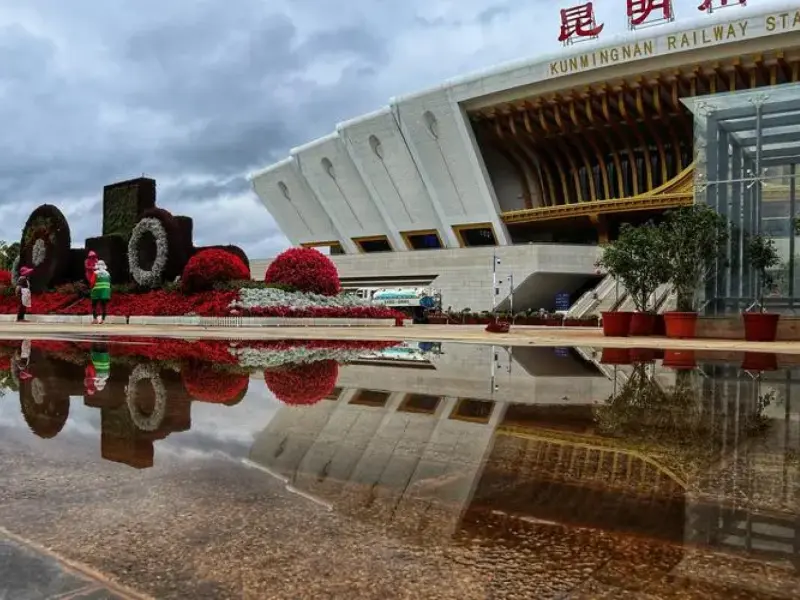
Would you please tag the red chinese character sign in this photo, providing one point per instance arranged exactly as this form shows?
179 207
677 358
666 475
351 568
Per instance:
642 13
579 22
711 5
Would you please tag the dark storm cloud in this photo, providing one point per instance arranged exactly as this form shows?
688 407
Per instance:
216 92
96 91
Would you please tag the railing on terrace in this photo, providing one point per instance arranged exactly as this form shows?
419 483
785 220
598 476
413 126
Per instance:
589 302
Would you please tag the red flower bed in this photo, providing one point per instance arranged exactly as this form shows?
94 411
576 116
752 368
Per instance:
197 351
306 270
42 304
211 266
206 384
305 383
212 351
162 303
5 278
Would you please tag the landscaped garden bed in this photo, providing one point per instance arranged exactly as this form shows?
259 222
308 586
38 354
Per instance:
156 270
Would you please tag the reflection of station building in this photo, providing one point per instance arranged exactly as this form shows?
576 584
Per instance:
405 452
536 161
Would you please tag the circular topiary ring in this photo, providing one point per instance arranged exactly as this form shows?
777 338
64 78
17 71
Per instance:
155 251
45 247
45 408
152 421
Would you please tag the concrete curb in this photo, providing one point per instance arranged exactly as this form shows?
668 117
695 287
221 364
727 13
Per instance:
206 321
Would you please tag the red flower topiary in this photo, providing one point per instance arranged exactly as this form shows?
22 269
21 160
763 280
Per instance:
306 270
303 383
206 384
5 278
211 266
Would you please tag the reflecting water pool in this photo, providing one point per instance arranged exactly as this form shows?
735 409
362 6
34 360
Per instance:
221 468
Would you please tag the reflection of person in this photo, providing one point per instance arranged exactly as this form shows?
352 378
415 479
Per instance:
89 265
100 283
98 370
21 362
23 291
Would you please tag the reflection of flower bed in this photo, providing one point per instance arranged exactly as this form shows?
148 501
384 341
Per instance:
305 383
205 383
209 304
251 355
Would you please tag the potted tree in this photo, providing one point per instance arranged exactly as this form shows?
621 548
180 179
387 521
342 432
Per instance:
761 326
694 239
637 261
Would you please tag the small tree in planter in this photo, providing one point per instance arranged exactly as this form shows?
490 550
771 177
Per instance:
694 239
636 260
760 326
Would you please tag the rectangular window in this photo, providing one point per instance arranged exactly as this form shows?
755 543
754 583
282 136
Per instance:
373 244
477 411
472 236
334 395
422 240
420 403
372 398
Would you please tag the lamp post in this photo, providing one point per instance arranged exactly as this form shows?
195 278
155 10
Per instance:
511 295
495 290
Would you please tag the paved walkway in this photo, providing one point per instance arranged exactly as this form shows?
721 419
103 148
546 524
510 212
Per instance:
467 334
29 572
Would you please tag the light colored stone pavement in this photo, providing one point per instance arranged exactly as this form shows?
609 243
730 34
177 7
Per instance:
467 334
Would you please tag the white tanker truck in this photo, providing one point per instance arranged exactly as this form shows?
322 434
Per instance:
414 301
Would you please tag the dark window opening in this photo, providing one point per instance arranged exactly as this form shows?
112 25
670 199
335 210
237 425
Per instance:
337 249
424 241
420 403
482 236
473 410
372 398
379 245
334 395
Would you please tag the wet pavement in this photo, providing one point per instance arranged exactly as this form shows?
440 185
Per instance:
219 469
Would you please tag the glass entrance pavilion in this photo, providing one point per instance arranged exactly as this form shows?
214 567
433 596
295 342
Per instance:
747 151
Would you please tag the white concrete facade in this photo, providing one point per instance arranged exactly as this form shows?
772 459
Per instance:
464 275
415 165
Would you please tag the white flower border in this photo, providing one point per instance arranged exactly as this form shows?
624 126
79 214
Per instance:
257 358
268 297
153 421
155 275
39 252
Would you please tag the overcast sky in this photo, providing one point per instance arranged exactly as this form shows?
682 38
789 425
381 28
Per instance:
197 93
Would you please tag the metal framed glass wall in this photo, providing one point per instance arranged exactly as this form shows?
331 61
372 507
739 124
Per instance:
747 152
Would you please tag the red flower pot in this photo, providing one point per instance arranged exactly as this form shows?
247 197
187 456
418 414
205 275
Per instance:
616 356
681 325
616 324
498 327
679 359
642 324
760 361
643 355
760 327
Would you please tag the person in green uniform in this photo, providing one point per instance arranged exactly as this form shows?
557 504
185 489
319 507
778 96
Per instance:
101 291
101 360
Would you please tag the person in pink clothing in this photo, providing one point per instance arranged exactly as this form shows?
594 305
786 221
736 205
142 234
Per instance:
89 264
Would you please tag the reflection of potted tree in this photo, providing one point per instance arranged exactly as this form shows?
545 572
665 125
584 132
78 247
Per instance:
761 326
636 260
694 239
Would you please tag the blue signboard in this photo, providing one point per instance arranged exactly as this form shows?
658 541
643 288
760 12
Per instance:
562 301
561 352
427 302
